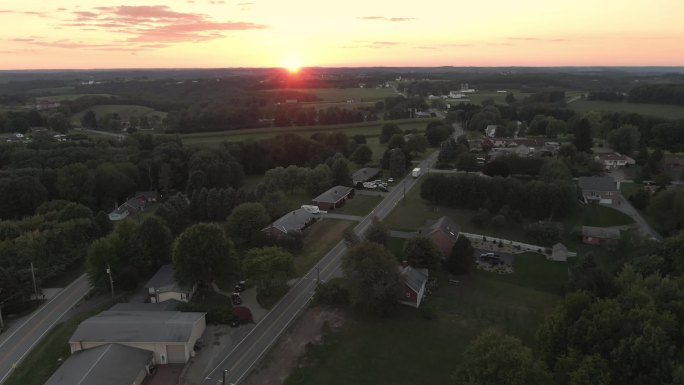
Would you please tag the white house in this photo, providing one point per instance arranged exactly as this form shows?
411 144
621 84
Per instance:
163 287
614 160
170 335
490 131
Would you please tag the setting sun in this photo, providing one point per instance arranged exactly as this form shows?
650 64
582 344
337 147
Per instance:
292 64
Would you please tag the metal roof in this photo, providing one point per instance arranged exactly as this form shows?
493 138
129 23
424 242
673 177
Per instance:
294 221
365 174
414 278
334 194
165 281
169 305
137 326
110 364
445 225
597 183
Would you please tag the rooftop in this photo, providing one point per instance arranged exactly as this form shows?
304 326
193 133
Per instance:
137 326
294 221
169 305
365 174
111 364
597 183
445 225
334 194
600 232
415 278
164 281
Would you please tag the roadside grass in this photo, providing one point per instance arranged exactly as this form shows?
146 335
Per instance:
318 240
125 112
64 97
402 349
661 110
43 360
360 205
275 294
69 275
351 129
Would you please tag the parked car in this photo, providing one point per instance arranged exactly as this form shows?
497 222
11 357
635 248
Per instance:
390 180
235 298
240 287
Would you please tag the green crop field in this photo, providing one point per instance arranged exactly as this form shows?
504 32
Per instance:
125 112
364 128
344 94
660 110
59 98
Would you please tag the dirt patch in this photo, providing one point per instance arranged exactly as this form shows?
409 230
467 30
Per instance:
284 357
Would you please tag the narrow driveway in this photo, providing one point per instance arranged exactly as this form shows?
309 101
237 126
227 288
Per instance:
23 337
240 361
626 207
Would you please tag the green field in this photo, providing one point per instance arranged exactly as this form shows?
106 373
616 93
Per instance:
660 110
59 98
344 94
602 216
125 112
499 97
364 128
407 349
360 205
318 240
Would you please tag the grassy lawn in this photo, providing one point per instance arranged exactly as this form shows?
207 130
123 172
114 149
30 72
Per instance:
360 205
42 362
318 240
124 111
276 293
407 349
602 216
363 128
662 110
534 271
396 246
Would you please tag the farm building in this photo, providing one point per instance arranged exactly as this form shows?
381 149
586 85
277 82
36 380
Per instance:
110 364
163 287
414 285
598 189
444 232
599 235
364 175
170 335
333 198
297 220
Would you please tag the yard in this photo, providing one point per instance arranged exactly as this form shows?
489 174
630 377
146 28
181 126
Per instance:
409 349
602 216
43 360
360 205
318 240
534 271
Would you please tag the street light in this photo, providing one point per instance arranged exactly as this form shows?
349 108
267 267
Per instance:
111 281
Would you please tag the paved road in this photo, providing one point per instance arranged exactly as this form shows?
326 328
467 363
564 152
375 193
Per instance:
247 353
20 339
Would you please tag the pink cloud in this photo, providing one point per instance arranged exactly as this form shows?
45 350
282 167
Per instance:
383 18
157 23
402 18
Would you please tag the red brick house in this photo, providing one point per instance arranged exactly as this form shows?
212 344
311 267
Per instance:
414 285
599 235
333 198
444 232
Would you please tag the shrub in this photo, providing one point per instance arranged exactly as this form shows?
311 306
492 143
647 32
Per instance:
216 314
331 293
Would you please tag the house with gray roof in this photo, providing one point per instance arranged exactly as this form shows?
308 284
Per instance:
598 189
111 364
364 175
414 285
333 198
170 335
163 286
294 221
138 203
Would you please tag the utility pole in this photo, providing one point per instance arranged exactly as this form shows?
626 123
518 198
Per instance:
33 278
111 281
2 322
318 275
225 376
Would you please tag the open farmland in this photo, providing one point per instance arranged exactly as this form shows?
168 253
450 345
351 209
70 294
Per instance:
344 94
125 112
369 129
59 98
660 110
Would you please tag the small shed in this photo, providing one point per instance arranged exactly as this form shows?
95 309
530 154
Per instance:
559 253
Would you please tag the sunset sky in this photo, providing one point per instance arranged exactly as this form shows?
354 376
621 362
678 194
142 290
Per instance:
40 34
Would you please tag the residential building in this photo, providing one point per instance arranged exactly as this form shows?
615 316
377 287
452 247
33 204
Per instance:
598 189
297 221
614 160
444 232
163 287
333 198
414 285
599 235
364 175
490 130
138 203
170 335
110 364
